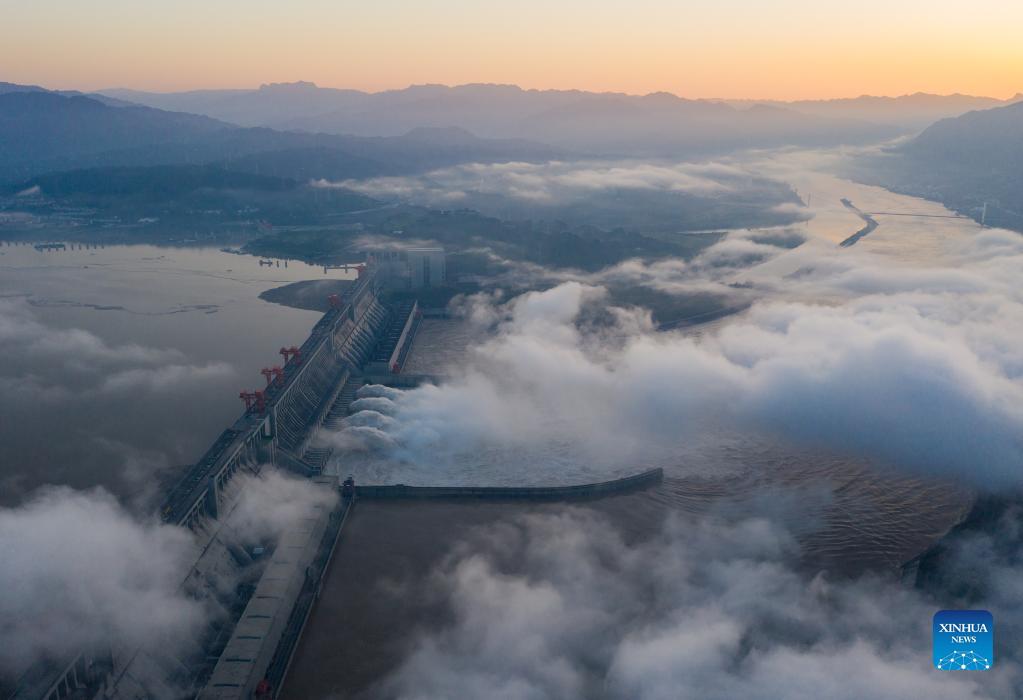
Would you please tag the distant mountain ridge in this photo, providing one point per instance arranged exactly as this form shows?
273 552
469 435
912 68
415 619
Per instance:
913 112
992 137
597 123
507 110
15 87
971 163
42 131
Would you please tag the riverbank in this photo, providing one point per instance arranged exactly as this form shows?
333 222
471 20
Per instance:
311 295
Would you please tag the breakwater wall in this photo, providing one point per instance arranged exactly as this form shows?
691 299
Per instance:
871 224
528 493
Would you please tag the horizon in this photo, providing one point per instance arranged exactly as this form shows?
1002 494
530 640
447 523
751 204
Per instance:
709 98
791 50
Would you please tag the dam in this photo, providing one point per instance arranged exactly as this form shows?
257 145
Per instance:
261 597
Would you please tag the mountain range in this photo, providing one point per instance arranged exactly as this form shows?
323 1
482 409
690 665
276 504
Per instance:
42 131
595 123
300 132
909 112
971 163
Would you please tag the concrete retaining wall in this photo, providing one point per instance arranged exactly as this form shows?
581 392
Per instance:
407 334
536 493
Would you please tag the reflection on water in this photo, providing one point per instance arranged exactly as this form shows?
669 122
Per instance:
181 329
912 240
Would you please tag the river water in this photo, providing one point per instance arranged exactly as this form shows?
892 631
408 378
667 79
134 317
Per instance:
124 362
97 407
852 514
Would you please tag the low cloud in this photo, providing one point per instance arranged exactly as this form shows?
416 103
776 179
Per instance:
916 367
560 606
73 387
87 364
638 196
166 377
274 502
79 571
546 182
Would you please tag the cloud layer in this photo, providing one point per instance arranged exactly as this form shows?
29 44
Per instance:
107 402
548 182
88 365
634 194
916 367
81 572
560 606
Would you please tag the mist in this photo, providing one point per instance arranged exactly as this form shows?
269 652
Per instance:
84 573
561 606
915 368
62 378
81 572
638 195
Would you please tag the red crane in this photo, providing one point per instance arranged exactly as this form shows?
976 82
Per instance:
272 374
255 401
292 352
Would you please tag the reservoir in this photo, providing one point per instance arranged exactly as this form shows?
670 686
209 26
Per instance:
125 361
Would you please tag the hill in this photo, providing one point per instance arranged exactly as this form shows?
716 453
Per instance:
965 162
907 112
42 132
594 123
46 131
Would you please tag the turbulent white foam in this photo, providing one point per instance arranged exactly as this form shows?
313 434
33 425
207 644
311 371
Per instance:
369 419
364 438
379 404
377 390
912 366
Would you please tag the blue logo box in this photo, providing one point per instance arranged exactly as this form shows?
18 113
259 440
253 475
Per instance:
964 640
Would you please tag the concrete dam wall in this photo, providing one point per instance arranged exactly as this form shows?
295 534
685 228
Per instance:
277 429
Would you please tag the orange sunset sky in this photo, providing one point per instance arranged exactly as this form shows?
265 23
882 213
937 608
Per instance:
785 49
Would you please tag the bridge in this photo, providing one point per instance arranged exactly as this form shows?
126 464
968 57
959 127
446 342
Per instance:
920 216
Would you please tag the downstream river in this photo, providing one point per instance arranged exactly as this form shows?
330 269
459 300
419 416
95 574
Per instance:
853 514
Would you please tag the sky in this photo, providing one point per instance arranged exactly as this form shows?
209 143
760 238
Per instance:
782 49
